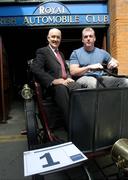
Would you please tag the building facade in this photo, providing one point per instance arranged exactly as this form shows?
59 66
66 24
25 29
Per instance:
118 32
24 25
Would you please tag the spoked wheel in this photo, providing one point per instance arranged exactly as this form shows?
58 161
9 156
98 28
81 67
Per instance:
31 123
35 131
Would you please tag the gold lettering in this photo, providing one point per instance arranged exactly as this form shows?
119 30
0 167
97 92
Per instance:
51 10
105 19
94 19
88 18
77 19
48 10
99 19
50 19
58 10
59 19
26 20
13 20
38 19
62 10
65 19
1 20
32 20
41 10
8 21
70 19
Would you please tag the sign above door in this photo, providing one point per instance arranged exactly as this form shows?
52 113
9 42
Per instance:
54 13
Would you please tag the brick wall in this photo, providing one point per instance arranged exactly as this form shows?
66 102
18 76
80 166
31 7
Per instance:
118 10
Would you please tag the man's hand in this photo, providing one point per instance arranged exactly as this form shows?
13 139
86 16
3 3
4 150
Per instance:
69 80
113 64
95 66
62 81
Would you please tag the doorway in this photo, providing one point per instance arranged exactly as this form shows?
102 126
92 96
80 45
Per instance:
21 43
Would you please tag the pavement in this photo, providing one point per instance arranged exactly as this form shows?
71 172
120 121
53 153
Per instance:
13 144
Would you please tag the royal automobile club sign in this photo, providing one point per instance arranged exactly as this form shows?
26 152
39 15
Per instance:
51 13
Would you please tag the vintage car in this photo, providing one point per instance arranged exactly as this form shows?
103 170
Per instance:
97 119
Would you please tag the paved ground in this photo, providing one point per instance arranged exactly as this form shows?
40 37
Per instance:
13 144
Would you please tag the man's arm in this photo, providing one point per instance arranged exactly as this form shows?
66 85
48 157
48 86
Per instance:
75 70
113 63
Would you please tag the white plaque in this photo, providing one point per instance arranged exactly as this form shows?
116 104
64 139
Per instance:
46 160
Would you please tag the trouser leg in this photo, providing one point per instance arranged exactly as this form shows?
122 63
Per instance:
111 81
61 97
104 81
87 81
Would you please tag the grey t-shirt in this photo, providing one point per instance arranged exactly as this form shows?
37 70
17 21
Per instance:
83 58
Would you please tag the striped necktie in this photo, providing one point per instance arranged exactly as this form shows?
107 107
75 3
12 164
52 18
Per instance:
60 60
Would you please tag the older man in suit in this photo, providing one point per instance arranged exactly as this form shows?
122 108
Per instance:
52 72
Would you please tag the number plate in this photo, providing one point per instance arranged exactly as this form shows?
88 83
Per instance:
47 160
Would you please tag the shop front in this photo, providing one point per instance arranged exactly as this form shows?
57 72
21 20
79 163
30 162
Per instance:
24 27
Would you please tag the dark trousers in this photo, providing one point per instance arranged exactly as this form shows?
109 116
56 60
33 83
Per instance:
61 95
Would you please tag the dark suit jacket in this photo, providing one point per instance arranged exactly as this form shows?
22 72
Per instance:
46 66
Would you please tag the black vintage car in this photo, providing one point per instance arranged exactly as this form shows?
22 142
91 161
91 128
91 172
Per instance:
97 119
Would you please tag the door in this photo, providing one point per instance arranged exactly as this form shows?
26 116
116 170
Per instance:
4 84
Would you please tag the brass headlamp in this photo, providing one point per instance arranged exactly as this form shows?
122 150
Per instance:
27 92
119 153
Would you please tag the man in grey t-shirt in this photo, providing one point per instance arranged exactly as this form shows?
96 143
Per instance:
86 64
